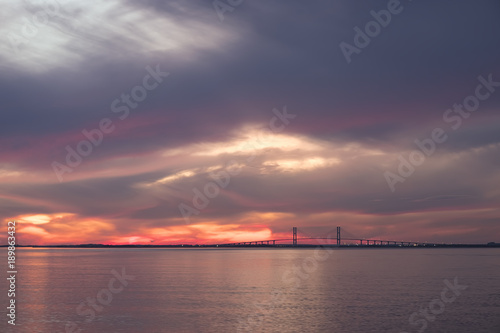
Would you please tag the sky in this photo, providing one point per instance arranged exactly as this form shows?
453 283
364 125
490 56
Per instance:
200 122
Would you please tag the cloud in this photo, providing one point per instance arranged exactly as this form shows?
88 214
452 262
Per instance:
226 78
66 34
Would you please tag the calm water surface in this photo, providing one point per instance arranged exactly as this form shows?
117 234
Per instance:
257 290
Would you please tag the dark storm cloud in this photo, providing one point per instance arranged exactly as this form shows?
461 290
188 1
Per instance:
427 58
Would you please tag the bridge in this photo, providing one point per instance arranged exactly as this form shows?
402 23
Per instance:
337 241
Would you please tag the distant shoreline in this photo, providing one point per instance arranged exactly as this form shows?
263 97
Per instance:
298 246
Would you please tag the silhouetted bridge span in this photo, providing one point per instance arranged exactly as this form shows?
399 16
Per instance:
330 242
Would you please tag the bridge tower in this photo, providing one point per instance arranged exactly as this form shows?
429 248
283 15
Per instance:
294 236
338 235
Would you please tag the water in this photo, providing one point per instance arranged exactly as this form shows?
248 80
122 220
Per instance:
256 290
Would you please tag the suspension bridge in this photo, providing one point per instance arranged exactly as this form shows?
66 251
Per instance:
331 241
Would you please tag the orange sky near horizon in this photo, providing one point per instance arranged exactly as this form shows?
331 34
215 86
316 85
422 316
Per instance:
68 229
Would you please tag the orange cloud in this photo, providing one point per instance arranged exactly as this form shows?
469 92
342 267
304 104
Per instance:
207 233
